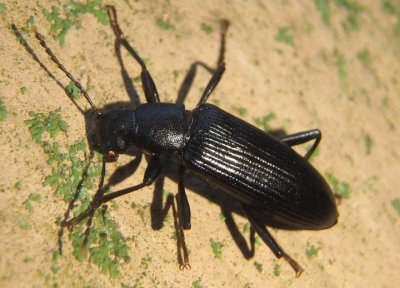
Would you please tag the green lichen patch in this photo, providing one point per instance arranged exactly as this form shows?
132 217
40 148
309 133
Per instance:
216 247
40 123
75 172
340 188
72 17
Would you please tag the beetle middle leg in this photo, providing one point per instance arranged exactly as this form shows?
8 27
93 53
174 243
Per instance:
183 215
190 75
182 201
183 218
270 241
153 170
217 74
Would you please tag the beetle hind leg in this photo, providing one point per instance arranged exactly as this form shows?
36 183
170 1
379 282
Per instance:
270 241
303 137
153 170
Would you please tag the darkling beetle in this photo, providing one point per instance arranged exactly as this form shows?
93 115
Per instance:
263 172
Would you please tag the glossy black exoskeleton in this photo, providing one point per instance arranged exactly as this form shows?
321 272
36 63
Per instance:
261 171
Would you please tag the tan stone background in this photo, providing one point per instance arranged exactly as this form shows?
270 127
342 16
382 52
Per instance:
341 76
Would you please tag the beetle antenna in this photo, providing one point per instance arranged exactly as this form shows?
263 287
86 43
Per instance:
69 75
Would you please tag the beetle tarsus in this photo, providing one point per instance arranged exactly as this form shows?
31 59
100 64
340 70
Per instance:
76 220
296 266
112 15
338 199
185 266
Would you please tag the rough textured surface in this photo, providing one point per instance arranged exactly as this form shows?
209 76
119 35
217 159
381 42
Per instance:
332 65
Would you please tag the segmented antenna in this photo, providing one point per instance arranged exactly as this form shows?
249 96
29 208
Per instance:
69 75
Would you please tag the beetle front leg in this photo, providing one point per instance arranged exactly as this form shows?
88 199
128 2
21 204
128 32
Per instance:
149 88
270 241
153 170
303 137
184 219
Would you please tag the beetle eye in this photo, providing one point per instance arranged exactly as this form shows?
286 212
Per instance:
111 156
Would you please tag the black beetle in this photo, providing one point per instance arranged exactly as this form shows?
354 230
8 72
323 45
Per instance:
263 172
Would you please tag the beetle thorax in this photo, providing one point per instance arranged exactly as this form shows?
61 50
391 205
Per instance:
160 128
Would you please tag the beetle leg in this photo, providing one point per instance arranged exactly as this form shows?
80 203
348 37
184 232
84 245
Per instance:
153 170
212 84
149 88
183 261
303 137
187 82
220 65
224 28
183 264
270 241
184 219
183 203
181 245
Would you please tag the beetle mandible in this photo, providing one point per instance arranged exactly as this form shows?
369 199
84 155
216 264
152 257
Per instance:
263 172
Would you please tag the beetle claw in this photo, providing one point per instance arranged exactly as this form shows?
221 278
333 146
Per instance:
185 266
296 266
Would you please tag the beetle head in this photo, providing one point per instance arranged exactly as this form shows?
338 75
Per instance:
115 132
